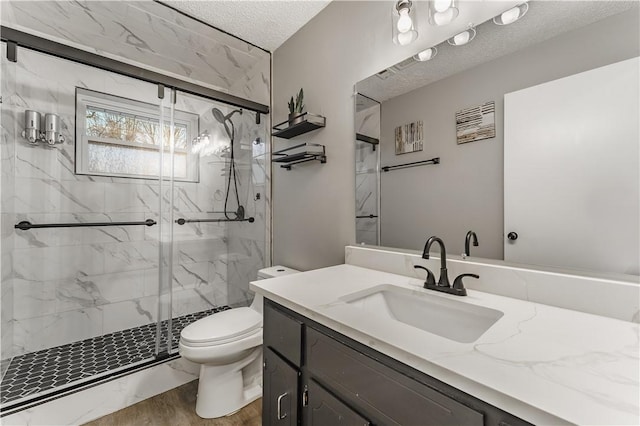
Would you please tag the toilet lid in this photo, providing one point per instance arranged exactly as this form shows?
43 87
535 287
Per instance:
222 326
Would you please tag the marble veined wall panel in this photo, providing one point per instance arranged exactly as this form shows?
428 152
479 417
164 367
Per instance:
255 84
150 35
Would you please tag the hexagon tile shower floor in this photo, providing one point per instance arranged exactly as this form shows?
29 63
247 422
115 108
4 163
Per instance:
53 368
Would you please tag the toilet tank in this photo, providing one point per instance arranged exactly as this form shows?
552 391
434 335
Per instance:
272 272
275 271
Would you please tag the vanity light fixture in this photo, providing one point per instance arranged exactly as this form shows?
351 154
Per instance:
426 54
463 38
512 15
442 12
404 22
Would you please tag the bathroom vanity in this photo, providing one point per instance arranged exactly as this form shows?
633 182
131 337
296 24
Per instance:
336 354
317 376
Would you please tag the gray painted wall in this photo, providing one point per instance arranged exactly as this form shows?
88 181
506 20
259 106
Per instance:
313 204
466 190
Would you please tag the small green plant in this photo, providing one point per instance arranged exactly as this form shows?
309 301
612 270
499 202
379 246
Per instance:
298 106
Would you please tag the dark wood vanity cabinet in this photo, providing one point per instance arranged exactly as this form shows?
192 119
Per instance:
280 392
322 408
316 376
282 368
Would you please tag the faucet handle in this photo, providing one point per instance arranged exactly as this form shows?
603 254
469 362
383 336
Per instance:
431 279
459 286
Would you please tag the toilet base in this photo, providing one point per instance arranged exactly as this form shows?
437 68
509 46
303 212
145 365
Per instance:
225 389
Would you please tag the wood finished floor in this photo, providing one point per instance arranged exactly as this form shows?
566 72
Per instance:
177 407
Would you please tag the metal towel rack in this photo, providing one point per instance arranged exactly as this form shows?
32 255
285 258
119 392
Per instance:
239 218
435 160
26 225
182 221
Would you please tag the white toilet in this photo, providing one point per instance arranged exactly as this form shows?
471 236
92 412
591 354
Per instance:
228 345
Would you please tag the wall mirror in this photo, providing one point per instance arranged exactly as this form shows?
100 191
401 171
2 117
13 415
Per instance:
528 135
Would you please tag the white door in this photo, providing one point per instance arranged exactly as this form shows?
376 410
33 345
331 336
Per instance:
571 171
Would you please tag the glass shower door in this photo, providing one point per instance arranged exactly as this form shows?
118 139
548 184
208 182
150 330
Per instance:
80 284
218 225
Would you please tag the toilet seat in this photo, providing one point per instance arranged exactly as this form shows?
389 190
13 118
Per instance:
222 327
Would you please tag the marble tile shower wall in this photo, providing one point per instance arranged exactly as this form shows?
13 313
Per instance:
367 123
72 284
150 35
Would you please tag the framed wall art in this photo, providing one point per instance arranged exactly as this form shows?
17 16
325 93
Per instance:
476 123
409 137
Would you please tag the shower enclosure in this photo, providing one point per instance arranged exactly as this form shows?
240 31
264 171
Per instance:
367 165
139 210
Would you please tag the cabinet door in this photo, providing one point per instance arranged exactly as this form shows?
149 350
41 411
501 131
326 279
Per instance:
383 394
283 334
325 409
280 391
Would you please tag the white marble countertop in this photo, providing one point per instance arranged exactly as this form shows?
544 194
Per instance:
544 364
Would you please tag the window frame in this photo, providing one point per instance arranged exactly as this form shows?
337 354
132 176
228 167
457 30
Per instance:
90 98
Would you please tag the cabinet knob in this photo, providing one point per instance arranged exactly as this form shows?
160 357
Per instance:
512 236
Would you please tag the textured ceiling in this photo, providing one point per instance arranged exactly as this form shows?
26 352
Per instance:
545 19
266 23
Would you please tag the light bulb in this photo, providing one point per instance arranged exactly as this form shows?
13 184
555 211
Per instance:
441 5
405 38
404 21
510 16
426 54
462 38
443 18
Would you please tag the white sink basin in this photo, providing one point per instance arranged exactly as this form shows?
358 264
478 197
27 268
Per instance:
451 319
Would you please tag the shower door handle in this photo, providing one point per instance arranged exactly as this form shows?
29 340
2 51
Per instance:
279 414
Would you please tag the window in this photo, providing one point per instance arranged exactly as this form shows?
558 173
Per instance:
121 137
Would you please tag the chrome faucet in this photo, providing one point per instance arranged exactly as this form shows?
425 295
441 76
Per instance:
467 242
443 283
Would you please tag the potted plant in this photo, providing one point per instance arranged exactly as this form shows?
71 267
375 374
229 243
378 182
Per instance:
296 108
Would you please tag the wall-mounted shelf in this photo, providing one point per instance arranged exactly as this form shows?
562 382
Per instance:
368 139
306 122
300 154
